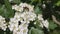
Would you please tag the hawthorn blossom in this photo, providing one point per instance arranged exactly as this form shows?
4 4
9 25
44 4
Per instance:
40 17
45 23
28 16
22 29
30 7
16 28
3 24
17 8
13 24
23 15
23 6
42 21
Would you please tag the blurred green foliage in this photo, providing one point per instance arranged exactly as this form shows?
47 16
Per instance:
58 3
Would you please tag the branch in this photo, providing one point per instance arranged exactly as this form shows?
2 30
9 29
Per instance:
54 19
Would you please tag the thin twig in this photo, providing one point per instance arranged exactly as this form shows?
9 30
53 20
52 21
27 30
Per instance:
55 20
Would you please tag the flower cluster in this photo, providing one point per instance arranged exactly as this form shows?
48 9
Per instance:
16 27
23 6
42 21
3 24
23 15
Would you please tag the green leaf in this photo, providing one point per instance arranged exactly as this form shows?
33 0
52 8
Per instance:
52 25
35 0
16 1
35 31
2 10
58 3
37 10
10 12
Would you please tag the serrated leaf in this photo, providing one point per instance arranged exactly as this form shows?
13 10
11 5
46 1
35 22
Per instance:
9 13
2 10
37 10
52 25
36 31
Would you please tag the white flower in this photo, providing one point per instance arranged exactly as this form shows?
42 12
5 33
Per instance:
31 8
3 24
21 31
25 21
17 29
43 22
13 27
44 6
23 4
13 24
40 17
17 8
25 17
14 6
30 16
23 7
24 13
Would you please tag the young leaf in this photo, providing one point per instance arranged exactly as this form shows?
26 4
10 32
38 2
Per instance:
52 25
36 31
8 6
37 10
